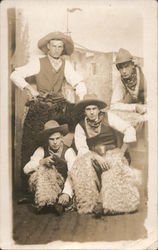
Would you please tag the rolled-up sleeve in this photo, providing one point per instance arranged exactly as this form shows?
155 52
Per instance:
19 74
75 80
122 126
80 140
34 161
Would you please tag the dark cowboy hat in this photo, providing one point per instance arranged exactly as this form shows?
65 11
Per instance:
68 43
123 56
89 99
51 127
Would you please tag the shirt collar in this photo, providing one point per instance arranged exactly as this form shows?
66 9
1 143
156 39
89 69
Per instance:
56 63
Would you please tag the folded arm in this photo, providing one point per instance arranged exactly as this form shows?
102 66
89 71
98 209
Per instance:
118 96
122 126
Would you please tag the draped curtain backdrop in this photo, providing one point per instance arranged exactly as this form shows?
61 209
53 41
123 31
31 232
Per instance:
20 57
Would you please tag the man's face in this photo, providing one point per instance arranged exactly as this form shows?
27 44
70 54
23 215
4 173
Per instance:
125 69
92 112
55 48
55 141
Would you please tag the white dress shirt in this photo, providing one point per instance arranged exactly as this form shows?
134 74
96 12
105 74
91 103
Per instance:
115 122
33 67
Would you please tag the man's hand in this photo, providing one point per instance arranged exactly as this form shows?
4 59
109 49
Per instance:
141 108
64 199
102 162
32 92
48 161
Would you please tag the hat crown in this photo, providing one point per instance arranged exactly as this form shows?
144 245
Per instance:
123 56
51 124
57 35
90 97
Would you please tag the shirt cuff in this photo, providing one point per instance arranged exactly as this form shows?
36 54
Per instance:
81 90
129 135
67 188
19 81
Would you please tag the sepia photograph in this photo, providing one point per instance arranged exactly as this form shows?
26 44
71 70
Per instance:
78 124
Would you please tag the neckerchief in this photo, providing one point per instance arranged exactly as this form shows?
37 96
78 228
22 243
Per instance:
95 124
131 82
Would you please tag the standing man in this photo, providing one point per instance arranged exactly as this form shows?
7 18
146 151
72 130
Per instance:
47 169
130 91
48 100
101 177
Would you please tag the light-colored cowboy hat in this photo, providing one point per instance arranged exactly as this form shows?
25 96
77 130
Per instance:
51 127
123 56
89 99
68 43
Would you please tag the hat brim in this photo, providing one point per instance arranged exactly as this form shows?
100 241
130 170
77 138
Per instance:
124 61
63 129
68 43
83 104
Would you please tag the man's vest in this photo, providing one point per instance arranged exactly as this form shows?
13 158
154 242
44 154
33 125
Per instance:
60 163
106 136
48 79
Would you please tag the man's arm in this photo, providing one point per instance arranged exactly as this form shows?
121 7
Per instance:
117 100
80 140
19 74
75 79
122 126
70 158
34 161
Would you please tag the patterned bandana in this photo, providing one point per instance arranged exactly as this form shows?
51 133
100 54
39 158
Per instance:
131 82
95 124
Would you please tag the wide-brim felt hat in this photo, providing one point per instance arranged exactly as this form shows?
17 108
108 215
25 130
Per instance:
52 127
123 56
68 43
89 99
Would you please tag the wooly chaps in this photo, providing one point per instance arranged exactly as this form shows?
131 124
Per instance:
46 184
120 185
84 184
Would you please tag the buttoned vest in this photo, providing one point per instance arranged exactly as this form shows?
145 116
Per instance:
48 79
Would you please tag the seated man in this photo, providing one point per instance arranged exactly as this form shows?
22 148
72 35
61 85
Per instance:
47 168
130 92
100 175
129 95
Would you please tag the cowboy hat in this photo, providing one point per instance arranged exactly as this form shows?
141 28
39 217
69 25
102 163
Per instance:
89 99
68 43
123 56
51 127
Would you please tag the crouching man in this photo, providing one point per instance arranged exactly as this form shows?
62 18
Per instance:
101 178
47 169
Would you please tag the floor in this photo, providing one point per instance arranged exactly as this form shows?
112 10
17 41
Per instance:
29 228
